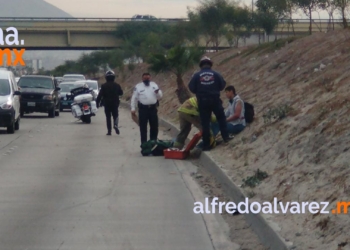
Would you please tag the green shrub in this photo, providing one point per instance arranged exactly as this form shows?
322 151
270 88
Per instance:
280 112
254 180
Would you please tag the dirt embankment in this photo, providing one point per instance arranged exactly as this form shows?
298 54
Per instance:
306 154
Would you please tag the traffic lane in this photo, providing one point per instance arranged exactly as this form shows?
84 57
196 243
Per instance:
26 126
69 186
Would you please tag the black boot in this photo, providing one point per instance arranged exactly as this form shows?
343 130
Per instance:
116 129
116 121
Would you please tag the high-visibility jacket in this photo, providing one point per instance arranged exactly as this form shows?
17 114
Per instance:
190 107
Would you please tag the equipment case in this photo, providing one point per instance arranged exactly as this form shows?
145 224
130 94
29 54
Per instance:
83 98
177 154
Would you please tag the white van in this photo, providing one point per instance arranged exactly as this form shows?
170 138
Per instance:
9 102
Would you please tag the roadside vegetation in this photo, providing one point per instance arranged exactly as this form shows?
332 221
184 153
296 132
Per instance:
166 47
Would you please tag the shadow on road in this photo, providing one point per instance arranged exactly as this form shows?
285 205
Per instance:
35 117
3 131
79 123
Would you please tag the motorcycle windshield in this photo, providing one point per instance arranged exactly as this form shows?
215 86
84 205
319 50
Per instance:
79 91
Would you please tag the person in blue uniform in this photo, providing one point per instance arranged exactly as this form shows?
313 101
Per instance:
207 85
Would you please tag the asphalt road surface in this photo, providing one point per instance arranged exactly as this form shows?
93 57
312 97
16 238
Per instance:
66 185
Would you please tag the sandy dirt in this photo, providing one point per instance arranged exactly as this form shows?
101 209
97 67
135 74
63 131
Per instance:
306 154
240 231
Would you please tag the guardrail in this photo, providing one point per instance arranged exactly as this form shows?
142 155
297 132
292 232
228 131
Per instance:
308 20
32 23
85 19
322 25
133 19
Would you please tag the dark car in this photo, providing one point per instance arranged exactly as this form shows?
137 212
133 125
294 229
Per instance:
39 94
66 87
144 18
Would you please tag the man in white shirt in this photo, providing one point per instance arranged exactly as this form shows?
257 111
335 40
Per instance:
146 95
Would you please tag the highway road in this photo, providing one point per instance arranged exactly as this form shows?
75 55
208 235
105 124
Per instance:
66 185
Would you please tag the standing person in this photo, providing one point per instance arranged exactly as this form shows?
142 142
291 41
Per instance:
207 85
109 94
147 94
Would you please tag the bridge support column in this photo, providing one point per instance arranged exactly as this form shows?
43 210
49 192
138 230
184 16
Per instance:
68 38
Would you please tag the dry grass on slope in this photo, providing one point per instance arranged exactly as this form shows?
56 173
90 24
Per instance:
306 152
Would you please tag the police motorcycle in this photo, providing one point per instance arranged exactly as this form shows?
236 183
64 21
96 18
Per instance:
84 104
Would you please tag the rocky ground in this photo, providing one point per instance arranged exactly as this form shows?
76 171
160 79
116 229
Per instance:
300 137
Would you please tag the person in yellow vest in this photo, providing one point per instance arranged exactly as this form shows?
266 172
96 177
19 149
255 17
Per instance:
188 116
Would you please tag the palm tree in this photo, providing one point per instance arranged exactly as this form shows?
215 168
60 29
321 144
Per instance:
178 61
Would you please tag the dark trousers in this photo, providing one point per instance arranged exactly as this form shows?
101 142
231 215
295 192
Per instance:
111 111
148 115
207 106
186 122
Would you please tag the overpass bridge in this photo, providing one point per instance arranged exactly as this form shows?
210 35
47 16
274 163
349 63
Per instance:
98 33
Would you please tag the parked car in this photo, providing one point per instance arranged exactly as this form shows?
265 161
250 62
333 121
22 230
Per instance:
39 94
9 102
66 87
74 76
144 18
17 79
93 84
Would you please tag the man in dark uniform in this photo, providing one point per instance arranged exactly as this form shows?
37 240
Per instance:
146 95
207 85
109 94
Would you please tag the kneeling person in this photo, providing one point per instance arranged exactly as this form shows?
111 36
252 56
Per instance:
188 116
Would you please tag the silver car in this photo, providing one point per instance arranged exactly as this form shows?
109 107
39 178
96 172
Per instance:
9 102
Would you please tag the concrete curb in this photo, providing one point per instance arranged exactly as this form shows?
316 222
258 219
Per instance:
267 235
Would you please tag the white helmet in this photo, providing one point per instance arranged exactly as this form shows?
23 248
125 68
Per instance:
205 60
